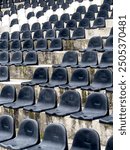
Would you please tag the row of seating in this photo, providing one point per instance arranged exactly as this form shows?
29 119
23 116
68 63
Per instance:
55 136
56 44
70 59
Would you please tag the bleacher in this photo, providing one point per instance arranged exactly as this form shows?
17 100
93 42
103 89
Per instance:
56 74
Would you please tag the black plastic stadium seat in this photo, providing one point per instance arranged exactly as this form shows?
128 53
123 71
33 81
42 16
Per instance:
70 59
81 9
7 12
99 23
7 128
13 22
60 2
90 15
79 33
70 102
26 35
45 8
38 35
26 97
107 120
76 16
65 17
56 45
69 1
8 94
109 2
71 24
51 2
55 137
95 43
88 59
31 58
4 45
55 7
15 45
15 36
39 14
65 6
93 8
96 107
53 18
59 25
46 26
109 44
103 13
64 33
36 26
41 45
103 79
59 77
4 36
47 100
30 14
79 78
4 73
28 135
16 59
25 27
106 59
40 76
28 45
4 58
86 139
84 23
50 34
105 6
109 145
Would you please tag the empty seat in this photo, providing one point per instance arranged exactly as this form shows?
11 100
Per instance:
50 34
71 24
109 44
109 145
4 36
65 17
103 13
13 22
84 23
28 135
70 102
26 35
107 120
15 36
106 59
59 25
55 136
81 9
76 16
88 59
28 45
96 107
69 1
64 33
53 18
47 100
39 14
31 58
79 33
30 14
60 2
99 23
65 6
70 59
38 35
109 2
40 76
56 45
4 58
95 43
25 27
4 46
86 139
46 26
7 128
26 97
58 77
36 26
16 59
15 45
90 15
4 73
55 7
93 8
79 78
102 79
105 6
41 45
